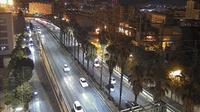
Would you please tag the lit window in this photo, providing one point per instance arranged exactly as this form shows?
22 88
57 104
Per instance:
130 34
3 48
126 32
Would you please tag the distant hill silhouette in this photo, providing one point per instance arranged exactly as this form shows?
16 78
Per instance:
169 2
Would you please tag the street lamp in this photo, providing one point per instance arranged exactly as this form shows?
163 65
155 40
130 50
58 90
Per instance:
175 77
176 73
67 20
131 55
97 30
105 27
55 17
18 109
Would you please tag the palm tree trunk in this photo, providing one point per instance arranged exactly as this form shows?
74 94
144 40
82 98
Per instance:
136 98
60 39
120 94
64 40
101 77
88 60
83 57
78 52
67 38
188 105
74 48
110 74
123 63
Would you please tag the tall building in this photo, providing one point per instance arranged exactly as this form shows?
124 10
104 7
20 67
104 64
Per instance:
6 33
6 2
192 9
6 29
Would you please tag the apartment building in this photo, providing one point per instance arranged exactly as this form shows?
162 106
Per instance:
6 34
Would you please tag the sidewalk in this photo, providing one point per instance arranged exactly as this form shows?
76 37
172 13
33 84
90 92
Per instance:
44 101
41 101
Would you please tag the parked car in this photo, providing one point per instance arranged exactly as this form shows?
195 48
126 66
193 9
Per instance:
113 80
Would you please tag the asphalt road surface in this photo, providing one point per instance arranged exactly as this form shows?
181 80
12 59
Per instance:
68 82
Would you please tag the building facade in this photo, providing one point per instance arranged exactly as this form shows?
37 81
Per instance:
192 10
6 33
40 8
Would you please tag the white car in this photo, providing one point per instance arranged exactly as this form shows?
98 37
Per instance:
66 68
77 107
83 82
96 63
39 30
113 80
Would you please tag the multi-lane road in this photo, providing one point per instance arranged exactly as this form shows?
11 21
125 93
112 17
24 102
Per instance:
127 93
68 82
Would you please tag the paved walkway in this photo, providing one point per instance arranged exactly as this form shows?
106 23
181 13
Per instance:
44 101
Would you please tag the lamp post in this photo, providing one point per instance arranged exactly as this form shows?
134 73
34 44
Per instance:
19 109
175 77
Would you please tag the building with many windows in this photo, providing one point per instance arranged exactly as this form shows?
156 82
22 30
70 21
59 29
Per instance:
192 9
6 33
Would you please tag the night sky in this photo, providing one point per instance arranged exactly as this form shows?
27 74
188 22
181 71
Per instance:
172 2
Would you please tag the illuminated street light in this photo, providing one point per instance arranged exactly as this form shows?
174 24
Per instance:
19 109
35 93
67 20
105 27
176 73
131 55
175 77
55 17
97 30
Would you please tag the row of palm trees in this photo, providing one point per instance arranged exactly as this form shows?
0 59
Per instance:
119 49
143 68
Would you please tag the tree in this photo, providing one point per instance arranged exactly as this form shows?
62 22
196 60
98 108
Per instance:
22 95
91 54
136 78
26 62
27 51
21 71
123 49
103 41
155 74
190 95
111 62
20 23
